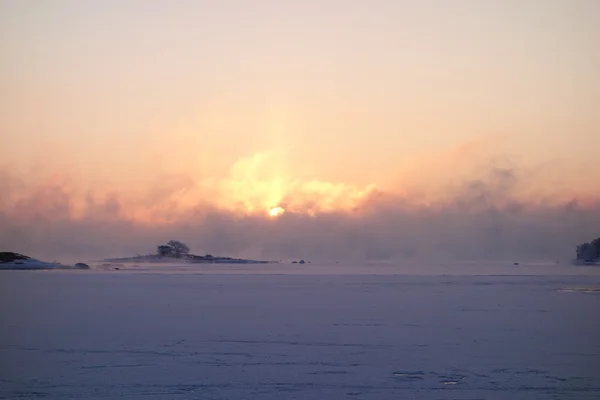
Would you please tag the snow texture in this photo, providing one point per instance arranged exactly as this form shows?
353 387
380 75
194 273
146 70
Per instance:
305 332
32 263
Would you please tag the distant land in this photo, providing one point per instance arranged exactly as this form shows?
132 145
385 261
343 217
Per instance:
11 260
176 251
187 258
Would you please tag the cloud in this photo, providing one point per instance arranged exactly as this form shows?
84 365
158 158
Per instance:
479 207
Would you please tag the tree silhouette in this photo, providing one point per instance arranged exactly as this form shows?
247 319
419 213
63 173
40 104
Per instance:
165 251
589 251
179 248
174 248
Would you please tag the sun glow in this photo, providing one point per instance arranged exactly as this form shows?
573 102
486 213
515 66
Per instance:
261 184
258 182
276 211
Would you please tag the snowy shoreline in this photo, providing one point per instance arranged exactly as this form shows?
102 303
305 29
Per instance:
16 261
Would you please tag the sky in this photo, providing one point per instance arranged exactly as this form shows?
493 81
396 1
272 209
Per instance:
365 130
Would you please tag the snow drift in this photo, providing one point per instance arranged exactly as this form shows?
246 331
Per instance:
10 260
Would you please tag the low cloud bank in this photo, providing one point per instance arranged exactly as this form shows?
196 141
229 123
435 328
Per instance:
478 219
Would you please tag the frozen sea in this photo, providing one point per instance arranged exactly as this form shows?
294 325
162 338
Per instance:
471 331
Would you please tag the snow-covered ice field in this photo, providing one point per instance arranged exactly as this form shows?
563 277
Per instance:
301 332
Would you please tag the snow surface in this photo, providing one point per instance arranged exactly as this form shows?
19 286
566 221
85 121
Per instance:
32 263
477 331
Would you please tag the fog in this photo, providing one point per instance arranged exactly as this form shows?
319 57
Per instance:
476 219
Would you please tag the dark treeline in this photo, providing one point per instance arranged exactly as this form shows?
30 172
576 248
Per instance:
589 251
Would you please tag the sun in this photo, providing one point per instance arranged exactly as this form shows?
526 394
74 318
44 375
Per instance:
276 211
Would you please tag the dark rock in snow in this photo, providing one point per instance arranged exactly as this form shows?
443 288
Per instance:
9 256
11 260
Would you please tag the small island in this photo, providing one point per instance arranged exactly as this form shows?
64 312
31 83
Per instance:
176 251
588 253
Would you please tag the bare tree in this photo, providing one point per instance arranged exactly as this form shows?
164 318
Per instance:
178 247
165 250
